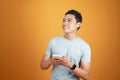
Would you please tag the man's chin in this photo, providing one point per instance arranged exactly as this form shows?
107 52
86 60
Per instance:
66 32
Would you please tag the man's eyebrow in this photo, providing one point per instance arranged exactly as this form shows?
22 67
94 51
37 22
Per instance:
66 18
69 18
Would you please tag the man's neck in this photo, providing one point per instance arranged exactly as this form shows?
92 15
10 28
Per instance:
70 36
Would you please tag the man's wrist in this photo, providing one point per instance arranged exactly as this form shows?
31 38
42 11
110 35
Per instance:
73 67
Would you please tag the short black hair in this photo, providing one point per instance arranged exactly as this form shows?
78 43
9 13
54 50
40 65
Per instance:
77 15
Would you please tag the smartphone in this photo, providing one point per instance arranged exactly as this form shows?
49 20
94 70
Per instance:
56 56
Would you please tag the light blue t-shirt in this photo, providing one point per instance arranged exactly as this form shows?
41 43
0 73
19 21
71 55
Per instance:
76 50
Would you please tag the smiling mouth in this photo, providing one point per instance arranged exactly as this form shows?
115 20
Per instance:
65 27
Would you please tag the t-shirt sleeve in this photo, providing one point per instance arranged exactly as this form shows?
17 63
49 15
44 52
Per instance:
86 54
49 48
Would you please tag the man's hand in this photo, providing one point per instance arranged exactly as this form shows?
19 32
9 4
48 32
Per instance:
61 61
56 60
66 62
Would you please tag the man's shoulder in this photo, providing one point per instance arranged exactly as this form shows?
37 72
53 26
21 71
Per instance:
56 38
83 42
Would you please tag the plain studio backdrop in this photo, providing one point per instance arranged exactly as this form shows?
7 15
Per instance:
26 26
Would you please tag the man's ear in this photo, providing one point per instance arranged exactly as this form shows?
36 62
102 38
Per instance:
78 24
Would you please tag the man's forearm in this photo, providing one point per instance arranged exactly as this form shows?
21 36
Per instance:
81 73
45 64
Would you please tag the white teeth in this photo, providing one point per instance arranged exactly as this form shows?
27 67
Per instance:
65 27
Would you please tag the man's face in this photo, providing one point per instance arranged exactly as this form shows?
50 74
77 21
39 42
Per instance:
69 24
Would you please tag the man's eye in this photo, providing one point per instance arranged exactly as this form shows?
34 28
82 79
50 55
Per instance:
69 20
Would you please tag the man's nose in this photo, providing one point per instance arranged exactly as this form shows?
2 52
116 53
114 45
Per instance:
65 22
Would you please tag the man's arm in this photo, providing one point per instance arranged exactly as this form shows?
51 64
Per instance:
45 62
81 72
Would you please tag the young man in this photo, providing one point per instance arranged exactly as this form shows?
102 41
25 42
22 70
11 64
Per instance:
69 54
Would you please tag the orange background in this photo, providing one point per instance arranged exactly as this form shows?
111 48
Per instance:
26 26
